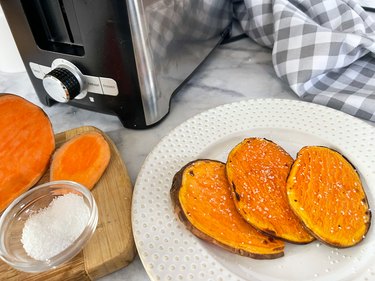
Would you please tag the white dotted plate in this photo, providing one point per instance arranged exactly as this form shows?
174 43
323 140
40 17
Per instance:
170 252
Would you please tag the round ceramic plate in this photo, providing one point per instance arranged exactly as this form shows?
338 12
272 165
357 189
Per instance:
170 252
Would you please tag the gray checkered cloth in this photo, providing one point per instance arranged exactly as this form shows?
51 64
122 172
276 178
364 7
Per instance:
324 49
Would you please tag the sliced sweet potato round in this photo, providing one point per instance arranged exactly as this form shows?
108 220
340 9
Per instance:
257 170
325 192
26 145
201 197
82 159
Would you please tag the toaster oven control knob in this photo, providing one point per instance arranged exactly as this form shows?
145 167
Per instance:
61 84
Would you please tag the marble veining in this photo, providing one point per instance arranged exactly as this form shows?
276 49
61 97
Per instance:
234 72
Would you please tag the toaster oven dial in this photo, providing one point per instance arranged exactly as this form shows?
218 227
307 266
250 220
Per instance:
61 85
64 82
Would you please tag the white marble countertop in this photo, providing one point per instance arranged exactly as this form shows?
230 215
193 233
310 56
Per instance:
237 71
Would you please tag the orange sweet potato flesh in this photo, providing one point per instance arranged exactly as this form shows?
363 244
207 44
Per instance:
257 170
26 145
326 193
201 197
82 159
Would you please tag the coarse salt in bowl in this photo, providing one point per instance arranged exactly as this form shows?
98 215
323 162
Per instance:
47 226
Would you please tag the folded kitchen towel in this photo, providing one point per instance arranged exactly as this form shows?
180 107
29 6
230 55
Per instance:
324 49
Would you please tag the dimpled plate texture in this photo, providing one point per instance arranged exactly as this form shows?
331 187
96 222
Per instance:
170 252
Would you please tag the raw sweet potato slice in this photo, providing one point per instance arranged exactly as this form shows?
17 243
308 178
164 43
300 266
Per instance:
26 145
257 170
326 193
82 159
202 199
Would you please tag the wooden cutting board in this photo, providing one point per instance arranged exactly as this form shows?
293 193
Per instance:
112 246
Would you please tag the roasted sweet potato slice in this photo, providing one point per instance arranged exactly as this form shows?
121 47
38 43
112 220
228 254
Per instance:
82 159
326 193
26 145
201 197
257 170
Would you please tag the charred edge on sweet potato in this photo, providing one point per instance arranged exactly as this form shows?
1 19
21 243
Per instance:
237 196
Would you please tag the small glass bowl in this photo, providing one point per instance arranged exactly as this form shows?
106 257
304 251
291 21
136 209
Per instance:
14 217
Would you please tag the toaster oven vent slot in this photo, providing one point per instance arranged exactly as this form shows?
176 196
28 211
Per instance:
52 27
66 21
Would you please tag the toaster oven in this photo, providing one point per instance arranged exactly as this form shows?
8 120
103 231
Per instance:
121 57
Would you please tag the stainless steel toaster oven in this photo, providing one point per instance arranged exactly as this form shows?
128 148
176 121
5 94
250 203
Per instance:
122 57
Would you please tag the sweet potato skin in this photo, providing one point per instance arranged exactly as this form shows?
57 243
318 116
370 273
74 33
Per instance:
26 144
325 192
82 159
257 170
212 215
